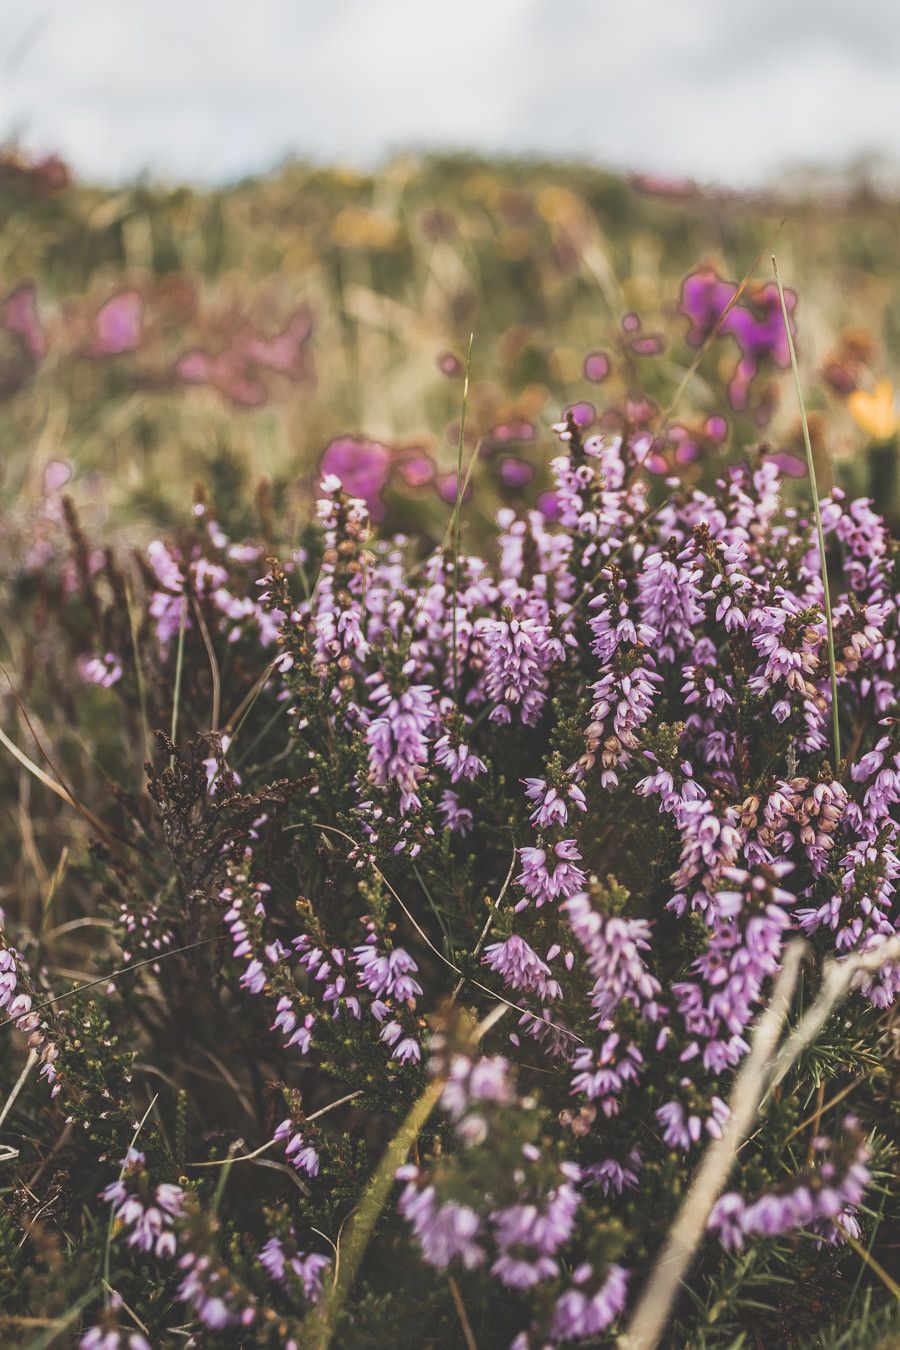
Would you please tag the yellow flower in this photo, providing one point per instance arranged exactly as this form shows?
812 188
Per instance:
875 412
360 227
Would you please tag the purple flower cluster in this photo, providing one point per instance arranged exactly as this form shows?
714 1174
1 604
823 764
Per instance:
284 1264
16 1002
148 1213
823 1200
593 780
215 1303
755 323
525 1239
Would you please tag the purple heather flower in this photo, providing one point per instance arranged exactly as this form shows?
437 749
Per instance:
459 761
215 1304
148 1216
387 975
727 1221
444 1232
755 323
682 1129
602 1074
823 1200
596 367
457 818
521 967
614 947
472 1082
299 1153
550 873
670 599
551 804
587 1308
118 325
362 466
98 1338
398 740
103 670
528 1236
518 655
280 1266
406 1049
614 1177
515 473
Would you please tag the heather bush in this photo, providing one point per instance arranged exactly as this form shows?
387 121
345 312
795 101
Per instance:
416 981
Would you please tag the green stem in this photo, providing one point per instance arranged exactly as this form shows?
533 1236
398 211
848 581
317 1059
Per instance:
811 469
320 1323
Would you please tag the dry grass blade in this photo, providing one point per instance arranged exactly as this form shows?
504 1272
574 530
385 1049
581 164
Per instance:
868 1259
465 1324
179 668
761 1071
655 1304
18 1085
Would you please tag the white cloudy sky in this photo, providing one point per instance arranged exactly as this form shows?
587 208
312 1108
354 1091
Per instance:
730 90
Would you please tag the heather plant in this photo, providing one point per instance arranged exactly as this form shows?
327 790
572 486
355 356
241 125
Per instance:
422 965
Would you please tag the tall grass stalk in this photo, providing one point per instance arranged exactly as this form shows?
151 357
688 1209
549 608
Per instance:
811 469
179 666
457 508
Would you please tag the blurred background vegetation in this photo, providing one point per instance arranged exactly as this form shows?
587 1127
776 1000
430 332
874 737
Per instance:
151 338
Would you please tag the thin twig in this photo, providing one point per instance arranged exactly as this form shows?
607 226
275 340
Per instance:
492 914
461 1313
112 1213
179 667
469 979
138 666
105 979
263 1148
823 1110
19 1084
